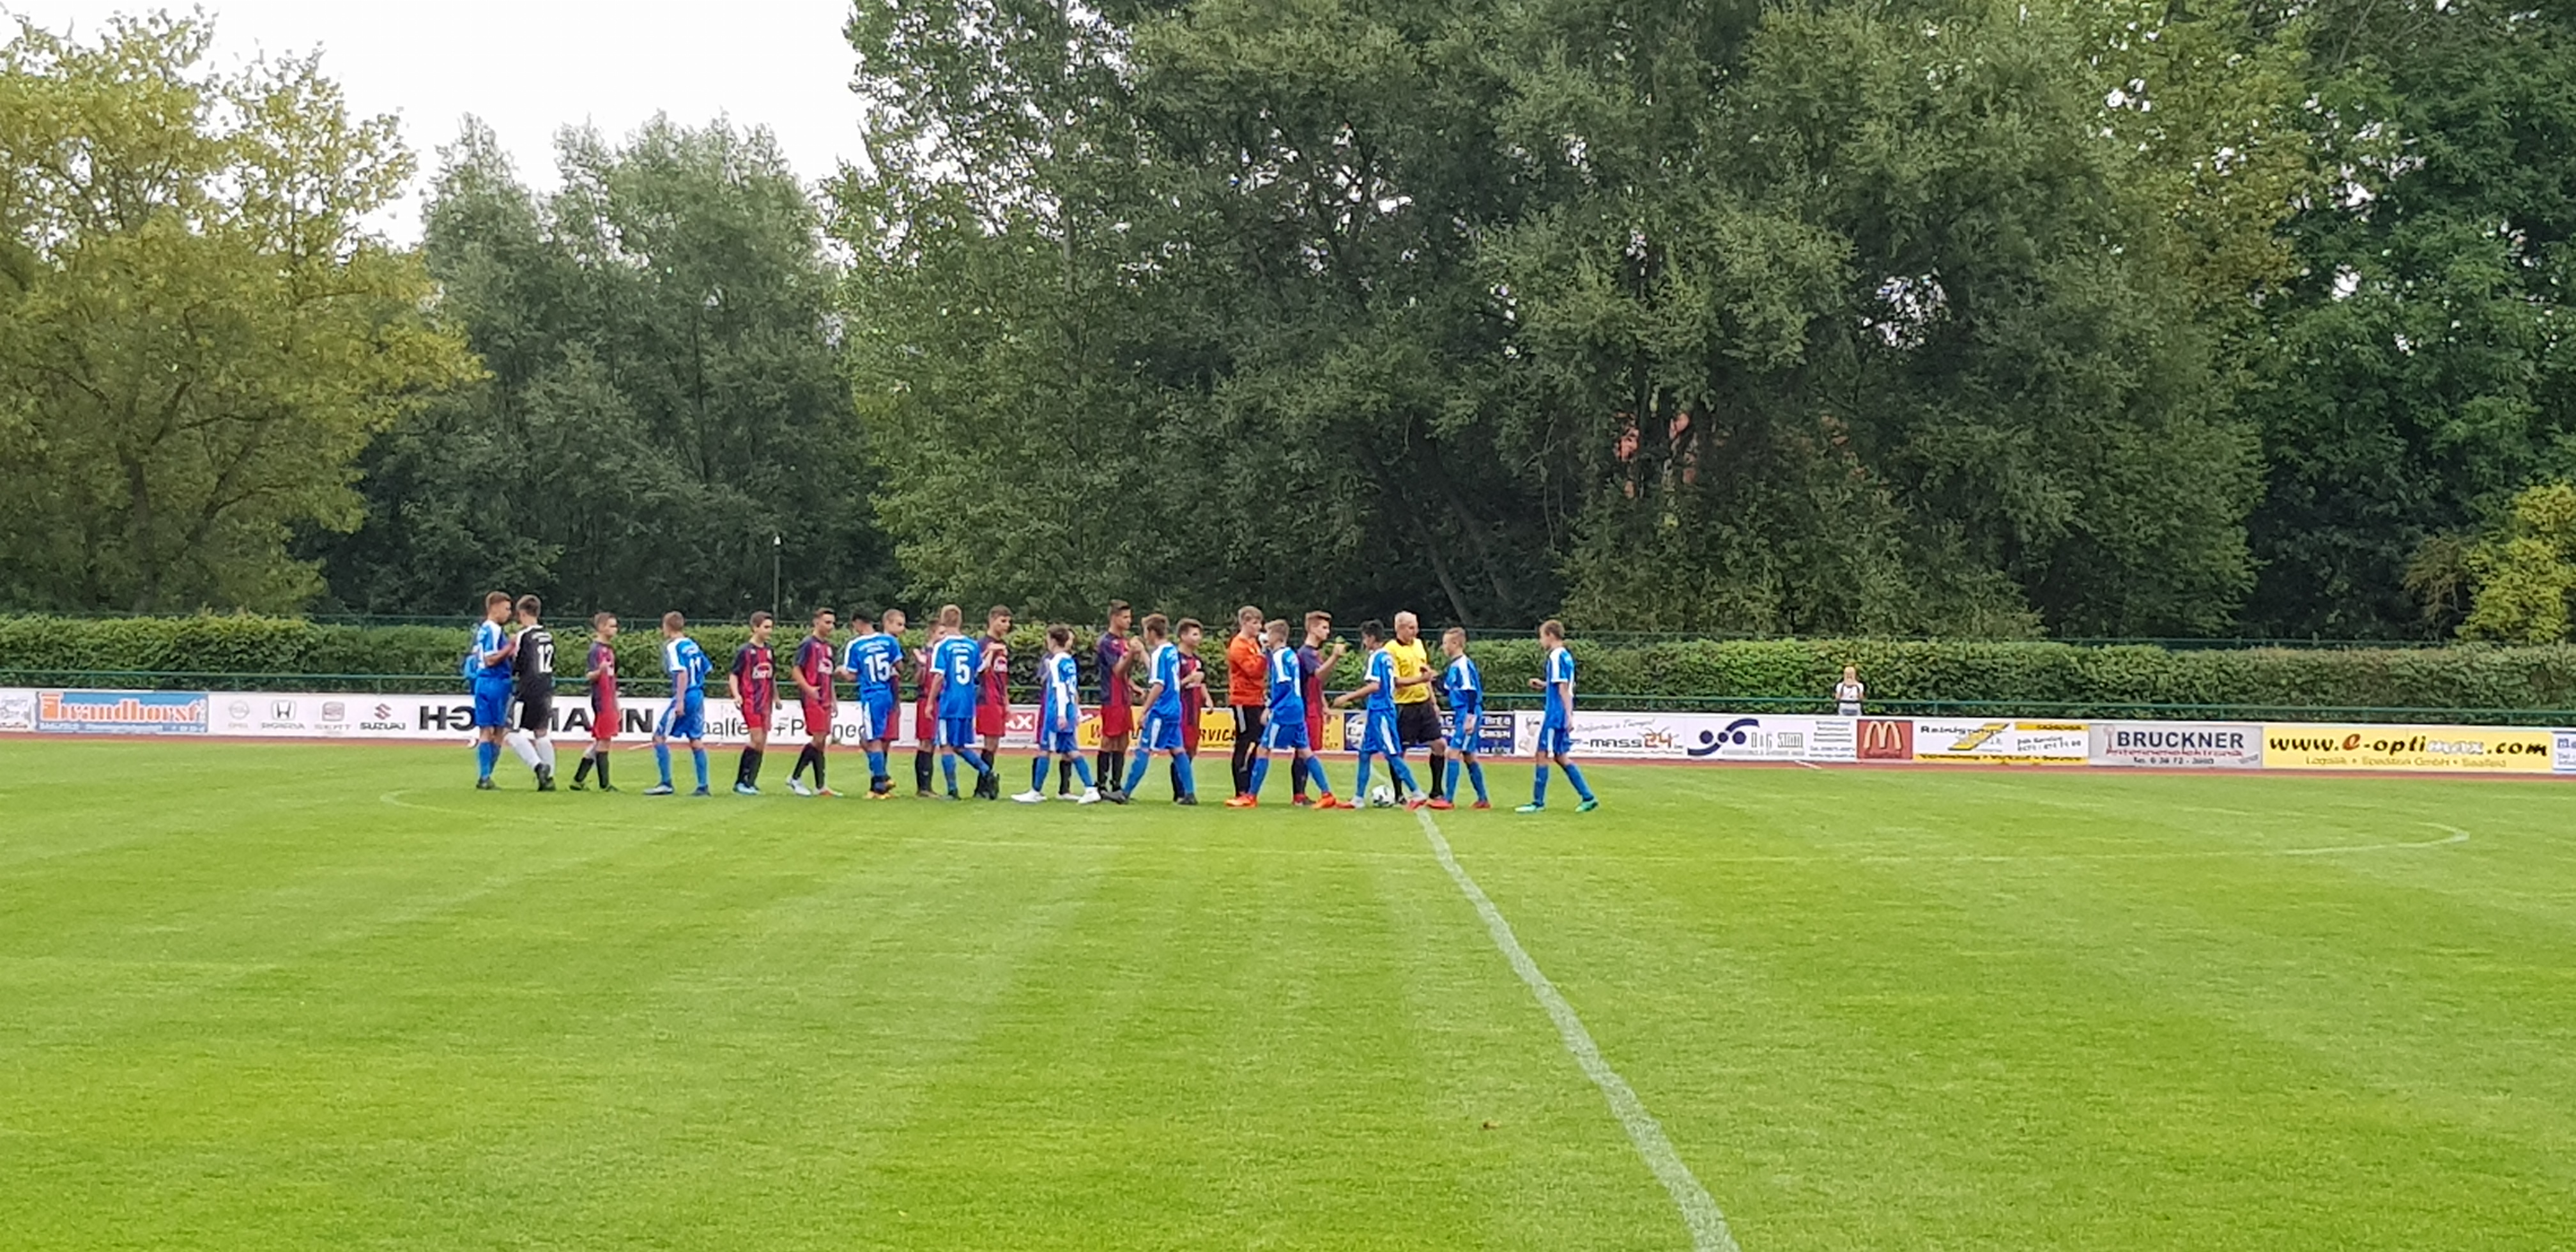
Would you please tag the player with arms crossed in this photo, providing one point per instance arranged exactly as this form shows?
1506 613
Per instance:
601 674
1379 738
686 718
874 663
1162 729
1556 727
489 667
813 671
753 683
958 662
1466 686
534 663
1059 714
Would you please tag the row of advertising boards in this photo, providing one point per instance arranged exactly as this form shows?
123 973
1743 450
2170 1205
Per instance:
1600 735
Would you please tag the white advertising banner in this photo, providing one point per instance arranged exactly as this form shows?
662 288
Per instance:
1701 737
450 718
2178 745
2001 741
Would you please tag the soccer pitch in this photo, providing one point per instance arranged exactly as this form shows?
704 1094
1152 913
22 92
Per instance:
329 997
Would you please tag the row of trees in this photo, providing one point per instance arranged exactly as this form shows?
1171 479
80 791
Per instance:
1929 317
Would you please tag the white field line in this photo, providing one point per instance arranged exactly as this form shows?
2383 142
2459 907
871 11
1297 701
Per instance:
1707 1225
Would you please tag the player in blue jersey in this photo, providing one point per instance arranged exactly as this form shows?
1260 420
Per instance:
686 718
491 669
874 663
1283 724
1556 726
1059 713
1162 729
958 661
1465 685
1379 736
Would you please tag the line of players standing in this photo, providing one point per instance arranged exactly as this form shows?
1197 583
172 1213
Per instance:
1153 694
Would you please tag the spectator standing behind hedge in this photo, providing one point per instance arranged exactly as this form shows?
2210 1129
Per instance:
1848 692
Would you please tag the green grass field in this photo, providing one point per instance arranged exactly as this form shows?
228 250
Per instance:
318 997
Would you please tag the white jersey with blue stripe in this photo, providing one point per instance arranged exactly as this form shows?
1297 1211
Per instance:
1063 707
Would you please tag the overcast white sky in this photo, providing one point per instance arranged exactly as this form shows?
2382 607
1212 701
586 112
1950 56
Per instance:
530 66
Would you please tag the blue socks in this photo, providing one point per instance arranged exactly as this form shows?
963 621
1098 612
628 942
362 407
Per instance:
698 757
1315 770
486 755
1260 771
1081 770
662 758
1452 787
876 764
1475 775
1403 777
1189 774
1037 776
1575 776
1359 790
948 770
1136 772
1538 789
974 760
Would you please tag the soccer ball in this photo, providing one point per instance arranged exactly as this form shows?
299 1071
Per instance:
1381 796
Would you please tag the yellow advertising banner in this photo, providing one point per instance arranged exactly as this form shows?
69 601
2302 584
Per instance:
1216 731
2420 749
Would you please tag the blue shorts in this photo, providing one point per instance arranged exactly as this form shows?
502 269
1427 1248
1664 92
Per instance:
1162 733
1057 739
685 717
492 703
957 732
876 716
1377 734
1464 729
1555 739
1285 731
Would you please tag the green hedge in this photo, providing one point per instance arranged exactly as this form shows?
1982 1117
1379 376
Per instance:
1902 675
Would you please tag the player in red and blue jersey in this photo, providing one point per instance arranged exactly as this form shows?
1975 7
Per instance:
601 673
491 667
958 660
1556 725
874 662
1162 729
813 671
754 680
1379 736
1313 662
993 698
1465 685
1059 715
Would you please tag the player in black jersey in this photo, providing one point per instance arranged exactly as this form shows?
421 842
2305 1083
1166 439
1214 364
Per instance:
535 674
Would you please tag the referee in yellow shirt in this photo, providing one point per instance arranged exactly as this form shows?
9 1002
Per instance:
1417 719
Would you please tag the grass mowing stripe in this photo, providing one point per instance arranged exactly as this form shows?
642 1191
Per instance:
1699 1211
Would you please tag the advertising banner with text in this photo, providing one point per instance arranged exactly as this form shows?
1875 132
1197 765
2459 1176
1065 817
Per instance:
2411 749
2001 742
2178 745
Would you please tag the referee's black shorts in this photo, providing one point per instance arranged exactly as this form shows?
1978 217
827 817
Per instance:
1417 724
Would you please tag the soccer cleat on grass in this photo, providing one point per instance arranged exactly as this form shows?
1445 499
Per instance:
1030 797
1481 804
579 785
1186 800
1587 806
659 789
1090 795
545 780
1412 803
1531 808
701 793
1114 796
485 783
745 789
1439 804
606 787
797 786
827 793
1242 802
1301 802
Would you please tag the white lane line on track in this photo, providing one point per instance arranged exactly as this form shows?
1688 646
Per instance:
1699 1212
